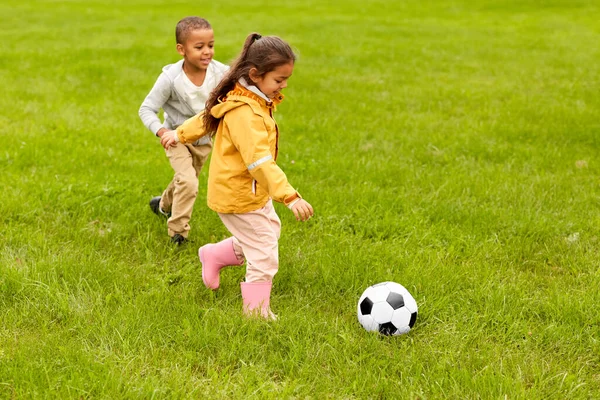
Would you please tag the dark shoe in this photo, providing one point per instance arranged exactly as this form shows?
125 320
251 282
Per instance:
178 239
155 207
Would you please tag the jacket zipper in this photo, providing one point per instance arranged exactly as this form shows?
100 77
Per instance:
276 134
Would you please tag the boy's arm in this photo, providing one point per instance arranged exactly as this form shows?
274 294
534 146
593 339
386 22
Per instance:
192 129
158 96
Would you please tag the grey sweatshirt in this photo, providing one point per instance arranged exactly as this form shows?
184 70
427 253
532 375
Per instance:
168 93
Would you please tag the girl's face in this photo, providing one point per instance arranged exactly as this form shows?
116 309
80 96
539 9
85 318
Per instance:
273 82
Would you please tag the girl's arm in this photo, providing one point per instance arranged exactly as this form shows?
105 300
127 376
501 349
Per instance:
192 129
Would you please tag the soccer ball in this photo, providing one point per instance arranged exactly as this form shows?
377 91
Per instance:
388 308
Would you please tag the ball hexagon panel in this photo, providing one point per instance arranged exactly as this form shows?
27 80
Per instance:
382 312
379 284
377 293
368 323
401 318
395 287
403 330
410 303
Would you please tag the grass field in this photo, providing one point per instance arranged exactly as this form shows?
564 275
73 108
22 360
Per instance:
450 146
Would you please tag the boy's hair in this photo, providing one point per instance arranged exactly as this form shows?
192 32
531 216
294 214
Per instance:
188 24
265 53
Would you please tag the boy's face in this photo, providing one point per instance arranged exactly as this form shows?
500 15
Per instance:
273 82
198 48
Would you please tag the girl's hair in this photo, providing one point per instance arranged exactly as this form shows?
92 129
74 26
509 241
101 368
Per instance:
188 24
265 53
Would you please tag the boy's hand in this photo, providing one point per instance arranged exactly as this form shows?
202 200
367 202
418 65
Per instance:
161 131
302 210
168 139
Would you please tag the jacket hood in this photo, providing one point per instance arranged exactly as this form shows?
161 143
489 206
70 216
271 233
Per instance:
222 108
173 70
240 96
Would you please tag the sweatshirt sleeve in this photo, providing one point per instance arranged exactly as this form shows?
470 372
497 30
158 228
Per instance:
158 96
250 137
192 129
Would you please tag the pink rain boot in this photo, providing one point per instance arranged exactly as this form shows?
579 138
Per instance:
214 257
256 297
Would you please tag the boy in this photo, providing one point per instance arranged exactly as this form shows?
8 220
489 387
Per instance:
181 91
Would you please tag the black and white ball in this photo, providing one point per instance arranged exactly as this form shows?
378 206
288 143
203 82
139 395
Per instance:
387 308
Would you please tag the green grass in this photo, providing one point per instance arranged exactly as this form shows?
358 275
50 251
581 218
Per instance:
451 146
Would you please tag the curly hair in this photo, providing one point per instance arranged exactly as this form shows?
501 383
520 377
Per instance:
188 24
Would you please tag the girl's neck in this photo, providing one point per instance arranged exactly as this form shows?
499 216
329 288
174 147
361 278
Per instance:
195 75
254 89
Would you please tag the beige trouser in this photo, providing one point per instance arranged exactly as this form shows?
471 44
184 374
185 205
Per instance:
255 237
179 197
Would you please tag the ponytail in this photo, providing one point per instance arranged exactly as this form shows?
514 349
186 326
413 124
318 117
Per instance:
236 71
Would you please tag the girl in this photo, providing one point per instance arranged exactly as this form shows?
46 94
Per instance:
243 177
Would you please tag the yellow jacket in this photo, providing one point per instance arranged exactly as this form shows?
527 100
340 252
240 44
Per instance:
243 174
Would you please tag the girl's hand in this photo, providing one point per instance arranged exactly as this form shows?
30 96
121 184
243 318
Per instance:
168 139
302 210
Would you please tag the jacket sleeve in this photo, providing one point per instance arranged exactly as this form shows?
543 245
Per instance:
192 129
158 96
249 135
